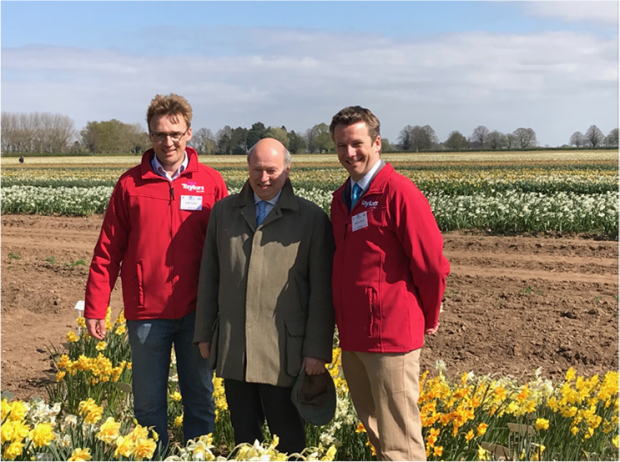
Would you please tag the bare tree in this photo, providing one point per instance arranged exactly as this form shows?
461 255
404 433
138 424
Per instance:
36 132
479 137
496 140
525 137
594 137
203 141
578 140
611 140
423 138
511 141
404 138
224 140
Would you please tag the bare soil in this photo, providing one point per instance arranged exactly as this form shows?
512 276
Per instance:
512 304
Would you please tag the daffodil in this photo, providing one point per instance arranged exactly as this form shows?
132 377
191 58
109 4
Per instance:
80 454
124 446
13 450
72 337
144 448
42 435
109 431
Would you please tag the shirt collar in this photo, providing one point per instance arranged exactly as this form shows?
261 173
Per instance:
159 168
271 201
365 181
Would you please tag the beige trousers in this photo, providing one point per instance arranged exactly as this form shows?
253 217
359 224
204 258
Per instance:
384 388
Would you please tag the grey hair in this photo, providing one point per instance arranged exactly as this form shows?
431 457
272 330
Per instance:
287 155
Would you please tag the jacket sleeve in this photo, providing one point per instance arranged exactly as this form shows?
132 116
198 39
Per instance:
207 308
108 255
321 318
422 242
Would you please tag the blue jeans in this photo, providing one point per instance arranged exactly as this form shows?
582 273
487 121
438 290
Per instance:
151 343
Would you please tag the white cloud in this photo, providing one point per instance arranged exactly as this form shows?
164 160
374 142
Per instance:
598 12
554 82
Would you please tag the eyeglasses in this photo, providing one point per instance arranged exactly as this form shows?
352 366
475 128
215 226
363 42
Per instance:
174 136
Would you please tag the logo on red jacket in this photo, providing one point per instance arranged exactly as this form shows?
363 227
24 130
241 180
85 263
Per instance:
191 186
369 203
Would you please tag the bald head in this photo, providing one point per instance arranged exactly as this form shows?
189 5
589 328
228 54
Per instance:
274 146
269 163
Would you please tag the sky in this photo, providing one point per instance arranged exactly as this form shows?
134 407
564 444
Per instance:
550 66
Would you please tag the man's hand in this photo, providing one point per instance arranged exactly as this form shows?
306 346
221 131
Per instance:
432 330
205 349
96 327
313 366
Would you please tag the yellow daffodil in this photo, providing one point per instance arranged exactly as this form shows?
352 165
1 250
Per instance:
124 447
178 421
109 431
81 321
101 346
139 432
6 433
80 454
437 451
13 450
570 374
19 409
542 424
176 396
482 429
72 337
20 430
42 435
470 435
144 449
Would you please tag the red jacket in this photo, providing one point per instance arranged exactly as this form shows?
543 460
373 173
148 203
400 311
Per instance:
390 274
158 243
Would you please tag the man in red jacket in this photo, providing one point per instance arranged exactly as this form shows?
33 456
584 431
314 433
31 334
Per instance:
388 280
155 225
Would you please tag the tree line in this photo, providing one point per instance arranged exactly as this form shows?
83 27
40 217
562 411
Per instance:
56 133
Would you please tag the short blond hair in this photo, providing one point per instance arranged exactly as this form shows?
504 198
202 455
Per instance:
171 105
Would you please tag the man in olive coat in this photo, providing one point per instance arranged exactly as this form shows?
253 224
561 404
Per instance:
264 307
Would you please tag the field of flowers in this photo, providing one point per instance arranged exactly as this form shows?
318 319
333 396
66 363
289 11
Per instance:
474 418
575 192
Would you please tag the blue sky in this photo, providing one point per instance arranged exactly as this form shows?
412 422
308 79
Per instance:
551 66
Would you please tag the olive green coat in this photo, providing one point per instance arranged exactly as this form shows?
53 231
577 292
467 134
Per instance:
264 294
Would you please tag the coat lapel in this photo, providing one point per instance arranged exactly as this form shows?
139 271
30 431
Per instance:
245 201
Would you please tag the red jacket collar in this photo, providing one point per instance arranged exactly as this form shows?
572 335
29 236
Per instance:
147 171
376 185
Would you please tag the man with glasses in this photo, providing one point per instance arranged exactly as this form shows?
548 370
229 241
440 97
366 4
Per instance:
155 225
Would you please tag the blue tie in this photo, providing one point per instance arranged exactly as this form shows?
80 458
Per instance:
357 193
262 212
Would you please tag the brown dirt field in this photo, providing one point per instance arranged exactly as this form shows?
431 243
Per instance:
512 304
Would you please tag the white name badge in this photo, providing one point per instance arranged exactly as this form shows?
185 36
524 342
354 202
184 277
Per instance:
191 202
359 221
